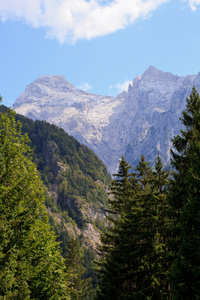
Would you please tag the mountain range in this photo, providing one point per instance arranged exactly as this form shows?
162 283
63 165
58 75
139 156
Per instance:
142 120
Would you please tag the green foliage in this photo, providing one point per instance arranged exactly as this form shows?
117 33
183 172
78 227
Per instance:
185 195
31 266
74 179
51 142
155 231
153 222
80 288
133 252
66 166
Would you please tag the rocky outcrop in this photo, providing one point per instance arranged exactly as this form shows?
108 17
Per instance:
142 120
148 118
80 114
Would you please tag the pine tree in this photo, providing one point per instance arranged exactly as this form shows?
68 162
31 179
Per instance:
122 189
31 266
185 273
161 231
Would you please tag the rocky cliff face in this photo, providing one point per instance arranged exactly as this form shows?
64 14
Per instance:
80 114
148 118
142 120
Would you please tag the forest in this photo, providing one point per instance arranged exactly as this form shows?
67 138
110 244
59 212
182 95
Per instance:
150 237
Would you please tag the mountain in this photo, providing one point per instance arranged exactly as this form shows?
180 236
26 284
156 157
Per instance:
80 114
148 118
76 179
76 184
142 120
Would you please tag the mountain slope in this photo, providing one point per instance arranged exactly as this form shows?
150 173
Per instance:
146 121
76 181
142 120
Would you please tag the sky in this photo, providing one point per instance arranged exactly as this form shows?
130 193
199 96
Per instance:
98 45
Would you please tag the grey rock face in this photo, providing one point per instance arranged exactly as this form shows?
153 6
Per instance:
140 121
54 99
148 118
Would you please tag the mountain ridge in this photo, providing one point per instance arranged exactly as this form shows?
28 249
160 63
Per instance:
79 114
142 120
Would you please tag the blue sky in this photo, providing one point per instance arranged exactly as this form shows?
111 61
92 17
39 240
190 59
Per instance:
97 45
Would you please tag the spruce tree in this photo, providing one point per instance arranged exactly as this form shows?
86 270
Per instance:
108 271
185 202
122 189
31 266
161 231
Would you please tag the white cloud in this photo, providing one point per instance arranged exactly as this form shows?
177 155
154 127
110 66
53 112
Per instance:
84 86
193 4
70 20
120 87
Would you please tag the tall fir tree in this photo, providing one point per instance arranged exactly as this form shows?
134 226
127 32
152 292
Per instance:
122 188
161 231
185 202
31 266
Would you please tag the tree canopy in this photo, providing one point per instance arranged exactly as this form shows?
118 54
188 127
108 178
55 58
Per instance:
133 247
31 266
185 202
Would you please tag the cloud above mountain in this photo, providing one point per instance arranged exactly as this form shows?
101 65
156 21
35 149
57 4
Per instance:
121 86
85 86
69 21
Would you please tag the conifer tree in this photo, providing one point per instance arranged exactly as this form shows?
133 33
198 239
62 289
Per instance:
31 266
79 287
185 202
147 224
161 231
133 265
122 189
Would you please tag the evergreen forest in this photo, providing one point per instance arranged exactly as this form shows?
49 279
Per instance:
53 190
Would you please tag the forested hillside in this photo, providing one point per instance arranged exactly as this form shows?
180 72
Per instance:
31 265
75 182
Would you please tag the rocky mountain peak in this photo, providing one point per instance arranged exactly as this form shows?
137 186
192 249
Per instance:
57 83
54 99
140 121
152 74
151 70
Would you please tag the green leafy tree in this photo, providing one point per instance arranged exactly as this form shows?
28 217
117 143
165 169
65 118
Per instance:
185 273
31 266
